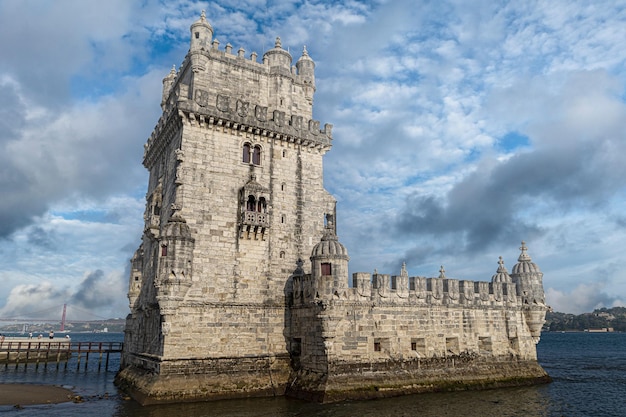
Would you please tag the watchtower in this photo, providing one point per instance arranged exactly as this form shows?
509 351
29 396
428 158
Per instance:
235 198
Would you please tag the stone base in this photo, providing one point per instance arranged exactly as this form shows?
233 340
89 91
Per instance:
458 373
205 379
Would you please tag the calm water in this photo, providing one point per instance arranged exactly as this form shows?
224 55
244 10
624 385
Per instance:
589 372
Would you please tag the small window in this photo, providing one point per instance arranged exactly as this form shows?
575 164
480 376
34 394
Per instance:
246 153
163 250
413 345
284 154
282 187
136 278
282 218
326 268
197 35
256 155
377 347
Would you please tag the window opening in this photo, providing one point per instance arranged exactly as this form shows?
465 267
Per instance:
251 204
246 153
256 155
326 268
163 250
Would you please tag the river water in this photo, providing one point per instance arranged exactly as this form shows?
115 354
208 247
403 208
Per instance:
588 369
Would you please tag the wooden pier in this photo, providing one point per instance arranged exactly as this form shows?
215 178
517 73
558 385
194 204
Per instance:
25 351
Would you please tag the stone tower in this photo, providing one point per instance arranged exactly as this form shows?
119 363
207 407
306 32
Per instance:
235 199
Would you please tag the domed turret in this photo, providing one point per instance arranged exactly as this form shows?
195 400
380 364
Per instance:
502 275
278 59
528 278
168 82
174 277
306 69
524 264
529 281
329 262
201 34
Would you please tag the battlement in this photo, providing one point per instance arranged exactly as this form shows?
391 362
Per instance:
217 87
387 289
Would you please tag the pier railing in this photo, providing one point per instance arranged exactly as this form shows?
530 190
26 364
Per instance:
16 352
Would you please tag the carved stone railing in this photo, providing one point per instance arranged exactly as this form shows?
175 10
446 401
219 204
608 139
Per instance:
254 218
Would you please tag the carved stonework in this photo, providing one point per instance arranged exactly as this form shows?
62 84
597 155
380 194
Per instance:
296 122
222 103
202 98
260 113
279 118
242 108
314 126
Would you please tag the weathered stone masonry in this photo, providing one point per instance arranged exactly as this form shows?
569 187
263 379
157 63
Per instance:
222 303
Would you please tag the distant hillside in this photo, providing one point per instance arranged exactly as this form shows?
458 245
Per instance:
96 326
614 318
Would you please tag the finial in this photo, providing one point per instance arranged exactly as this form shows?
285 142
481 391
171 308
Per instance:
442 272
403 271
501 267
203 15
304 51
277 44
524 257
375 271
173 70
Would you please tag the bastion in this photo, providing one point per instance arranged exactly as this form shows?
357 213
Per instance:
240 287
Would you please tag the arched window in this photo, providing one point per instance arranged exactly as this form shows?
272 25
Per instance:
256 155
262 206
251 204
246 153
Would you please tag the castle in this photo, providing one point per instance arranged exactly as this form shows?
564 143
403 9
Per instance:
240 286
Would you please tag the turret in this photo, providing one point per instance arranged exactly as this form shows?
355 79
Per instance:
501 275
175 261
278 59
529 281
201 34
201 37
306 69
168 82
136 277
329 263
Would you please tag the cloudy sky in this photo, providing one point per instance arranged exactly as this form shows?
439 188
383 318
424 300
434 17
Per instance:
460 129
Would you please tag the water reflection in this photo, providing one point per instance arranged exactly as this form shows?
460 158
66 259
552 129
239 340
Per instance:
525 401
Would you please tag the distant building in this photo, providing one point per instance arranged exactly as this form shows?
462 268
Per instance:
240 286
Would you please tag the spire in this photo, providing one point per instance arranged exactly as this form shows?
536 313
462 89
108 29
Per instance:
502 275
501 267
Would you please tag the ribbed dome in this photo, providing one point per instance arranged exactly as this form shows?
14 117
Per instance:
202 22
177 227
329 246
305 56
502 275
524 264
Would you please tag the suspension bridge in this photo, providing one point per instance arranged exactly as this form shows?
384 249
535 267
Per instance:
60 315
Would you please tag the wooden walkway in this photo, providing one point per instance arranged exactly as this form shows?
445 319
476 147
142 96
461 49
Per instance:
24 351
